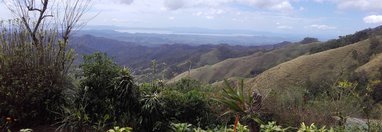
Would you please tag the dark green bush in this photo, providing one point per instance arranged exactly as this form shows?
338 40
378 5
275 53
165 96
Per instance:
32 78
186 101
106 97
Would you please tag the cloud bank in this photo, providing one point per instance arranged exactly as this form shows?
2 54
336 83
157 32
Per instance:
373 19
277 5
128 2
367 5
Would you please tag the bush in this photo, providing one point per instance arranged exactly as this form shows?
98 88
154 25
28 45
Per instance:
121 129
107 96
181 127
272 127
32 78
313 128
178 103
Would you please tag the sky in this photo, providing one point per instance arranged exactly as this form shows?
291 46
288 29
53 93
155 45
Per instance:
308 17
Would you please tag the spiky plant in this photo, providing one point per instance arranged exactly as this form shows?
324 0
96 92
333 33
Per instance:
244 105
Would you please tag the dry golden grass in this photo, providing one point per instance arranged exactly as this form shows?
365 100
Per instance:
244 66
330 64
371 68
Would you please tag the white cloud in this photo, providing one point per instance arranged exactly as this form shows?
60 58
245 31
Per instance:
366 5
319 1
116 20
210 17
209 14
322 27
361 4
127 1
174 4
283 6
171 18
277 5
373 19
284 27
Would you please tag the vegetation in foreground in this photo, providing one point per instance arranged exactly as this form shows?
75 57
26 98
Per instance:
106 96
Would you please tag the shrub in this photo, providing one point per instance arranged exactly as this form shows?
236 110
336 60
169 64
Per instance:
239 128
106 96
272 127
121 129
243 104
35 58
313 128
32 79
181 127
161 105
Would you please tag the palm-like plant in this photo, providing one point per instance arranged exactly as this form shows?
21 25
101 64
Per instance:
242 104
126 98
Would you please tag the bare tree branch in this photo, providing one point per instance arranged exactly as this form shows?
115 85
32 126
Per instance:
37 16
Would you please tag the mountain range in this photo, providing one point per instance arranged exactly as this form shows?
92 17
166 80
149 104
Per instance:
275 65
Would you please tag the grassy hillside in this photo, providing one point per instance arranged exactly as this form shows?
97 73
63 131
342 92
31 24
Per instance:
372 68
252 65
324 66
247 66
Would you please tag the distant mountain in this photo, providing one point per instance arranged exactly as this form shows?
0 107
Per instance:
159 37
170 59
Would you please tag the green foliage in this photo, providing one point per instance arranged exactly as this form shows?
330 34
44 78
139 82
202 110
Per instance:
120 129
375 46
33 76
181 127
152 116
240 128
313 128
106 96
161 105
242 103
186 85
74 118
346 40
272 127
26 130
308 40
236 99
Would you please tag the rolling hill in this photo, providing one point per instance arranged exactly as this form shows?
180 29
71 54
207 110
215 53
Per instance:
253 65
247 66
326 66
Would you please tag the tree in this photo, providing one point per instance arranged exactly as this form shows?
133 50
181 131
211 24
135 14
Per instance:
308 40
35 58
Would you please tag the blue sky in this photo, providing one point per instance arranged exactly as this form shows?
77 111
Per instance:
307 17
